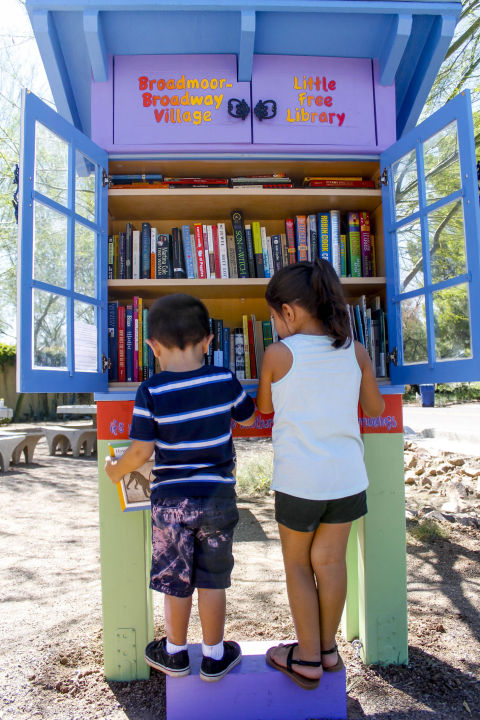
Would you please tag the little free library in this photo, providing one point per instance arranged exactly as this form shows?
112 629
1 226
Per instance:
199 147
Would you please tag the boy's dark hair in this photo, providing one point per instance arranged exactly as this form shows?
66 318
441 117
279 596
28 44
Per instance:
178 320
316 288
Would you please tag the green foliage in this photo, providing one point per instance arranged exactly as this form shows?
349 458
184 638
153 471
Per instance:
427 531
7 355
254 476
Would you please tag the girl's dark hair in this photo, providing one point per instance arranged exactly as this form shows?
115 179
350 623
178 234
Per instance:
316 288
178 320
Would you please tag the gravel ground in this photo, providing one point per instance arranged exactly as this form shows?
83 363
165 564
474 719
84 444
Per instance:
51 650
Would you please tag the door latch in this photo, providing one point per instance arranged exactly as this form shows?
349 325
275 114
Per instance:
106 364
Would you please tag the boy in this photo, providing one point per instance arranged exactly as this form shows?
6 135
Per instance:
184 413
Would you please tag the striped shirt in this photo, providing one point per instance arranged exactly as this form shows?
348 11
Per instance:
188 416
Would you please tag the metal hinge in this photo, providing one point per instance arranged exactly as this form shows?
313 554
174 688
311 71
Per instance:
106 363
384 178
106 179
393 356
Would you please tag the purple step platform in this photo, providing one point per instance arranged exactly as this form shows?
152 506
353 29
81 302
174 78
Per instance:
254 691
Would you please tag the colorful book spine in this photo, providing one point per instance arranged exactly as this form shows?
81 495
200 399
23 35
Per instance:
178 255
270 256
145 348
187 247
135 338
145 243
312 235
113 340
209 355
216 251
222 246
365 244
353 245
206 253
211 251
324 236
129 343
358 319
258 250
266 262
250 250
110 257
232 352
239 353
335 236
374 259
301 237
116 257
128 250
283 237
258 340
136 254
246 347
121 255
226 347
251 349
232 257
153 248
267 333
240 247
122 368
163 257
140 340
343 255
290 232
198 234
218 343
276 252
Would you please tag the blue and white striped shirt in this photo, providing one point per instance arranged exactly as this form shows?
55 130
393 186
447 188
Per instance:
188 416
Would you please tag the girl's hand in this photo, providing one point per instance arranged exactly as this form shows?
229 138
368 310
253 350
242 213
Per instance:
112 470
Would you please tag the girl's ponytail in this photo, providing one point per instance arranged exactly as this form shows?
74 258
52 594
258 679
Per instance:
315 287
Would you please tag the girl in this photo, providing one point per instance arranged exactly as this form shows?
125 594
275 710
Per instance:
313 379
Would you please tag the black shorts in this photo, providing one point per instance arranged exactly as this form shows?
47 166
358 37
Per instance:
306 515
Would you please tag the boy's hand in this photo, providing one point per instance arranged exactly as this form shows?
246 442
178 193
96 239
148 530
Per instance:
112 470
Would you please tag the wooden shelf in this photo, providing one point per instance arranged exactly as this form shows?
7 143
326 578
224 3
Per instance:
215 204
231 288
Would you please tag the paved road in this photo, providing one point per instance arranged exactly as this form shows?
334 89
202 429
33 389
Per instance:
454 428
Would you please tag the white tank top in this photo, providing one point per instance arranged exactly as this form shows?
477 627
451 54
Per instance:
317 448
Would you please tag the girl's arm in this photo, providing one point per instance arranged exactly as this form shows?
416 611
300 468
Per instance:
371 400
276 363
134 457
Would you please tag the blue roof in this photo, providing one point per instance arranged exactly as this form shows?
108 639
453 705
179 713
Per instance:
76 37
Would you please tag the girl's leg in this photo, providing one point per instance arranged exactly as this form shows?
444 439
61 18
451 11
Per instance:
211 608
327 555
303 599
177 614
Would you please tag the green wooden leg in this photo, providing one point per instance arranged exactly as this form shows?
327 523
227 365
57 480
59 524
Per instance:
382 573
349 624
125 565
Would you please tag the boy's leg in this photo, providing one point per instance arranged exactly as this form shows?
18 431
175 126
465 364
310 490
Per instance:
303 599
328 552
211 608
177 614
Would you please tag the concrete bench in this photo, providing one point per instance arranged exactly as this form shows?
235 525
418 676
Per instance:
69 438
8 444
27 447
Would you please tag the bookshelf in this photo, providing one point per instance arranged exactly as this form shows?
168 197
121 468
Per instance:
232 298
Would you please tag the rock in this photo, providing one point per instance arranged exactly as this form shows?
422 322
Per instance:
432 472
440 628
444 468
410 514
412 462
425 480
458 461
453 505
410 479
467 521
471 471
434 515
420 470
457 491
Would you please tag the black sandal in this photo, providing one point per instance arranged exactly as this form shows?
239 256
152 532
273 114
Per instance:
338 665
301 680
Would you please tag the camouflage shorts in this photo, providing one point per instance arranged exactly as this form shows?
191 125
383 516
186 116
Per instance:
192 544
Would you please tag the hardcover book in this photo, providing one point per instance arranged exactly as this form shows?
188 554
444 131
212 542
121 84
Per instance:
164 262
178 255
222 246
250 250
246 347
240 247
353 245
206 252
290 232
266 260
226 347
121 255
211 252
365 244
232 257
301 237
202 271
122 366
312 237
239 353
258 250
216 251
335 244
135 338
136 254
111 256
187 247
324 236
129 343
217 342
251 348
113 340
276 252
153 249
145 242
128 250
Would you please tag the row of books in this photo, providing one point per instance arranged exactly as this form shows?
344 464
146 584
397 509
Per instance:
269 181
131 359
369 327
241 348
344 239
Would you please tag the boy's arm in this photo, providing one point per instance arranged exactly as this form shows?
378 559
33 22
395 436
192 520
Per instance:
248 422
371 399
134 456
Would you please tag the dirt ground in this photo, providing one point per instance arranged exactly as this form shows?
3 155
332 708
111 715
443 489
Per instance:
50 625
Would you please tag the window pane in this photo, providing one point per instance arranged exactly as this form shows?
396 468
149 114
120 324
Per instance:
49 245
452 323
85 331
406 185
84 260
442 164
84 186
447 242
414 330
410 263
51 164
49 330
